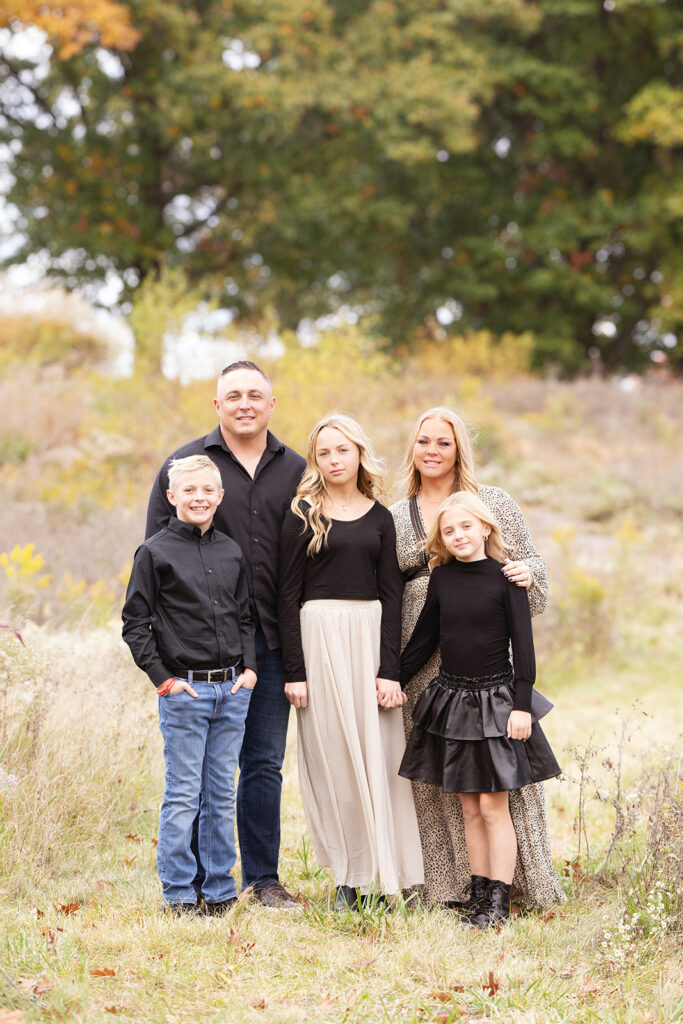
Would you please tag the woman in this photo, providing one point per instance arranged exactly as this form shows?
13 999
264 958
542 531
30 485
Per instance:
439 462
340 626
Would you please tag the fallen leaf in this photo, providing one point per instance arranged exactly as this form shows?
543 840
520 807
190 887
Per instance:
68 908
103 883
130 860
115 1007
573 868
155 842
39 913
548 916
445 997
360 964
259 1004
491 986
38 986
51 935
588 989
15 632
102 972
134 837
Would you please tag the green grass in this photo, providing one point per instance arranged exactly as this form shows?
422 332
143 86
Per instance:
79 894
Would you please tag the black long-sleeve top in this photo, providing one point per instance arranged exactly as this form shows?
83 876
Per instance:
358 564
473 613
251 513
187 603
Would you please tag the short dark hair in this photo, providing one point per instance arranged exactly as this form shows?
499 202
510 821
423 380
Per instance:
244 364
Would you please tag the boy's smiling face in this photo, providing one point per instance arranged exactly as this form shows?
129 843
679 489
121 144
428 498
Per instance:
196 497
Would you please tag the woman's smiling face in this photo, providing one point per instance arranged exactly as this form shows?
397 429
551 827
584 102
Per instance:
435 450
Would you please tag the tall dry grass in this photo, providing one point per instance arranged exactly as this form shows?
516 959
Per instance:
83 936
595 469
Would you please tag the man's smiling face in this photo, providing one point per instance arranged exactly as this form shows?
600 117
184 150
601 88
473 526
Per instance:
244 404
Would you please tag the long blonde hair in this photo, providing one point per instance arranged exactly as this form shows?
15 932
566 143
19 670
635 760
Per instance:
312 488
494 546
465 479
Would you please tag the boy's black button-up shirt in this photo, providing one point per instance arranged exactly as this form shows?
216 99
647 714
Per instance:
187 604
252 513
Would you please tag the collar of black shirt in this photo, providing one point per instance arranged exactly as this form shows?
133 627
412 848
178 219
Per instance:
215 439
190 532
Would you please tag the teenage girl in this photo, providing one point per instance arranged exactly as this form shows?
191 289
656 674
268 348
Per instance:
340 624
475 728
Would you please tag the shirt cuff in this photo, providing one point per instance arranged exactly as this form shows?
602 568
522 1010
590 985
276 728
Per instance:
523 691
158 673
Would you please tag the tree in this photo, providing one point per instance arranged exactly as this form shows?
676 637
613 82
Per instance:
514 164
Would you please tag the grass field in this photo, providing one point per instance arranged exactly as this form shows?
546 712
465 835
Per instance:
596 468
84 937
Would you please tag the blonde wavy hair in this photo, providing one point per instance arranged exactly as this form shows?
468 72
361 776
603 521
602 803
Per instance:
465 479
494 546
312 488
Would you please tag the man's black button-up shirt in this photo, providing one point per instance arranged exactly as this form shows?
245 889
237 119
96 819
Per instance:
187 604
252 513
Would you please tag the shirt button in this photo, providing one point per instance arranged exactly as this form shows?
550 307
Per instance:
215 602
255 540
255 511
210 570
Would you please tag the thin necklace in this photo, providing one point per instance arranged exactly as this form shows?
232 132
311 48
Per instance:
348 505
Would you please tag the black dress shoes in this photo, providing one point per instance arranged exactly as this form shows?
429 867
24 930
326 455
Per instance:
218 909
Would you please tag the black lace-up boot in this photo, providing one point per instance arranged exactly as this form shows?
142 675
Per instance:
478 889
495 909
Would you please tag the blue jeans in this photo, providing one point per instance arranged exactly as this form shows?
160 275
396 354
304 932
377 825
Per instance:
260 782
202 739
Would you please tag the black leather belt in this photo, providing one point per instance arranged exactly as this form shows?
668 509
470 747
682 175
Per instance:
214 675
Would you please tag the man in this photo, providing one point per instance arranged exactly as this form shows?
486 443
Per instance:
260 476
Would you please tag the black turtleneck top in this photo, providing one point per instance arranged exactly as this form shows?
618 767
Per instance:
473 613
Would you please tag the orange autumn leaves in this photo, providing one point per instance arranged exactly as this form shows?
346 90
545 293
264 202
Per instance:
73 26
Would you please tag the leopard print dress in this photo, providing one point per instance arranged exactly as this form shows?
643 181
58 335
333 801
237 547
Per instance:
439 815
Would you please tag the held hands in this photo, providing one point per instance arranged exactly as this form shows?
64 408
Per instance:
519 573
297 694
519 725
247 679
389 694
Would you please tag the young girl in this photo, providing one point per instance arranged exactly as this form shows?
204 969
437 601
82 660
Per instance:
475 728
340 626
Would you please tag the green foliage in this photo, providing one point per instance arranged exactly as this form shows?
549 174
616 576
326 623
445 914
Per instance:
160 305
522 159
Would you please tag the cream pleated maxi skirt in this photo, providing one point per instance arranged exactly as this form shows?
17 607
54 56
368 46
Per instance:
360 813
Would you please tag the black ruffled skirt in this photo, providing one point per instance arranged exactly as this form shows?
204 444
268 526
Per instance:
458 740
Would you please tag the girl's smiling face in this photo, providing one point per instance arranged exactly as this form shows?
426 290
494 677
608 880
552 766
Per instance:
463 535
435 450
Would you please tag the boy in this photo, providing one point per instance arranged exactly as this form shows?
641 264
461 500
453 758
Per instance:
186 620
